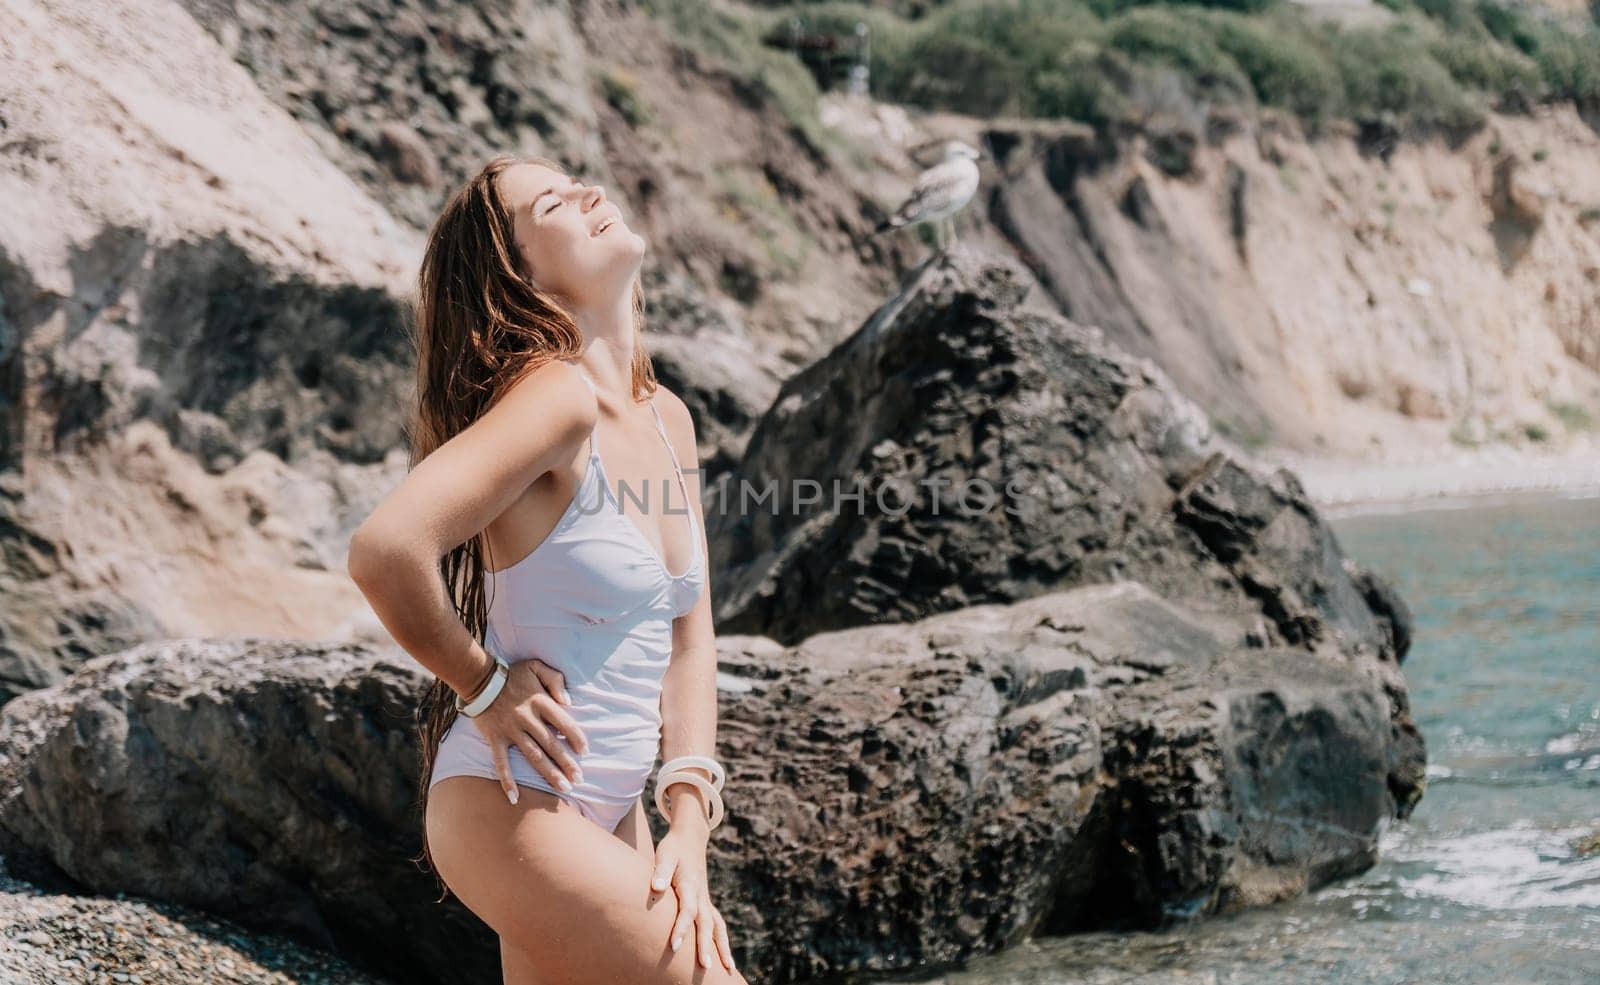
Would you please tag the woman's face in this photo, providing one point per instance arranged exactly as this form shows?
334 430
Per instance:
562 232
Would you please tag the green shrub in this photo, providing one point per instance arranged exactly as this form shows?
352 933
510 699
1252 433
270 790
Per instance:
1457 15
968 75
1570 64
621 90
1572 416
1483 63
1438 64
1389 76
1172 36
1086 84
1285 66
1568 57
1106 8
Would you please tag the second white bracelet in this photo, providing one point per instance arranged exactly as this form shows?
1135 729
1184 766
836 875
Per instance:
665 780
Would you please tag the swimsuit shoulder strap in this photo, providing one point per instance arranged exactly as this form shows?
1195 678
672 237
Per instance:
594 431
586 379
662 427
683 484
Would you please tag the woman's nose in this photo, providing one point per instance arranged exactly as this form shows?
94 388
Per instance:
593 197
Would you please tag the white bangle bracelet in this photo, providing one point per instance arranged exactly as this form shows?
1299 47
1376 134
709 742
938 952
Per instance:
665 780
491 690
718 774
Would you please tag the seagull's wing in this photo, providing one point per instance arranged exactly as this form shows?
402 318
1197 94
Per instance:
935 189
928 153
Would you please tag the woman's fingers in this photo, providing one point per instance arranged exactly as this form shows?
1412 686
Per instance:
535 726
685 921
502 766
665 863
554 683
553 680
703 922
724 945
529 720
562 720
540 761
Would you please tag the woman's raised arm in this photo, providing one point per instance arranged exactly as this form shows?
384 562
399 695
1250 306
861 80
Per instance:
453 494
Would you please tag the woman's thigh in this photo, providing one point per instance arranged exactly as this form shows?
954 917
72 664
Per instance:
516 966
567 898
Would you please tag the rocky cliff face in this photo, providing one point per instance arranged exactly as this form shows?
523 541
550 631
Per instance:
1328 296
199 329
213 217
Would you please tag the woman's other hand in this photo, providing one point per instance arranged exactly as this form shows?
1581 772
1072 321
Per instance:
527 713
681 862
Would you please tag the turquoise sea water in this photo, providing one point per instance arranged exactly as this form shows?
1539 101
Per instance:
1485 883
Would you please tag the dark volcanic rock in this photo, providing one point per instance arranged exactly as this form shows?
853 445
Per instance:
1238 781
900 794
272 783
1100 471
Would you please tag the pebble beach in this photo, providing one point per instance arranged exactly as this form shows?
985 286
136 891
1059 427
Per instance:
51 937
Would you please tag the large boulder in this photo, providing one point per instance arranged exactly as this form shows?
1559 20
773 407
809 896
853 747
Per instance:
1096 758
266 781
1098 469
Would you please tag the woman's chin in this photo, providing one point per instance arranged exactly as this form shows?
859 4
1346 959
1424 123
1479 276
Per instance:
621 257
638 242
627 242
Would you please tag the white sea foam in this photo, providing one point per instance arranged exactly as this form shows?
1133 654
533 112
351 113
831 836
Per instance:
1516 868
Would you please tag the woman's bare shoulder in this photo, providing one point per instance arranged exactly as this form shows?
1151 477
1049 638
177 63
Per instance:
555 385
672 407
536 424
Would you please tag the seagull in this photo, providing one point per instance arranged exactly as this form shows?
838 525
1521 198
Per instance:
940 192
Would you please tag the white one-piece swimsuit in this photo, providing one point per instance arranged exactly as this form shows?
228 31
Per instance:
595 601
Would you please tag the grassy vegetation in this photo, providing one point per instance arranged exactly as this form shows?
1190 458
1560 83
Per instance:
1249 436
621 90
1572 416
1439 64
751 201
730 35
1463 434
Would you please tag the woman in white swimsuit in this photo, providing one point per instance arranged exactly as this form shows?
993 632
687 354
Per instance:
562 674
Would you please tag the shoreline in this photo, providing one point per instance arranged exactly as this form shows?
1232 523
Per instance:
1466 477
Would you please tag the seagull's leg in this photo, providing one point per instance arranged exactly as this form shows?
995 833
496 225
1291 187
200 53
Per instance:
954 237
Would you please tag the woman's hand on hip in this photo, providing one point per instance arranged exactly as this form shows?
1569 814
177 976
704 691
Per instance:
681 862
527 713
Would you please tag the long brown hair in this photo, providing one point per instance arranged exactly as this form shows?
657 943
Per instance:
479 324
